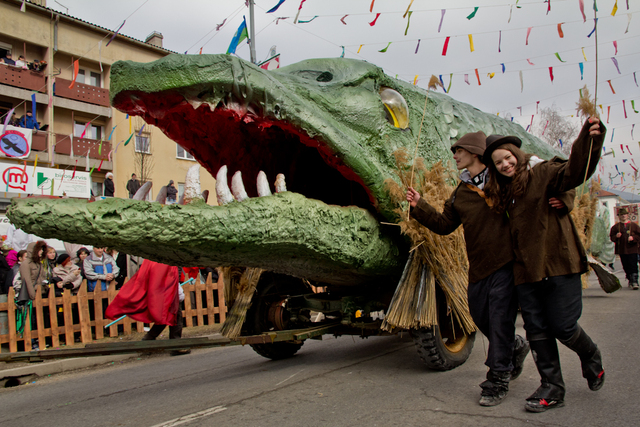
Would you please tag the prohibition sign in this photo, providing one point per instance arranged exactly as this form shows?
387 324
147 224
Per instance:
14 144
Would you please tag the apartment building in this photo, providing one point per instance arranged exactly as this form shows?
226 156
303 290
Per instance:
79 127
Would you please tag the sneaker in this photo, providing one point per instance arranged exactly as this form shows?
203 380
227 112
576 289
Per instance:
541 405
634 286
520 351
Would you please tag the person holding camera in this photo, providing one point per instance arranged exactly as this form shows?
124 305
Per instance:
68 273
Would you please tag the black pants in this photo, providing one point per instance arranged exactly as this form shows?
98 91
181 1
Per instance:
630 265
493 306
175 332
551 306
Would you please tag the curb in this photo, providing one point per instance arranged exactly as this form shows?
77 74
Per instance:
59 366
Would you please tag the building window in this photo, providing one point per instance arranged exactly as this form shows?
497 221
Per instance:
96 188
90 78
181 153
143 144
93 131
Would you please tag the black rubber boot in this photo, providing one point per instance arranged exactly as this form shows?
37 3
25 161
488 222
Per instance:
634 281
550 394
520 350
590 358
495 388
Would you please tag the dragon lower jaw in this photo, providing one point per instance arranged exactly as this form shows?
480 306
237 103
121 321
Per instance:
285 233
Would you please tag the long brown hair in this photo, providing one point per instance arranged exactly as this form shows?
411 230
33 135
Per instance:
40 244
500 189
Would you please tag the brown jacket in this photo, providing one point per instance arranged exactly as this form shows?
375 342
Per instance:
545 240
623 245
32 273
486 233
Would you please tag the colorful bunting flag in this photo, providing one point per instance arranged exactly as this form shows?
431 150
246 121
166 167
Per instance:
502 63
372 23
528 32
624 108
443 11
446 46
615 62
615 8
417 47
478 77
611 86
466 79
295 21
371 7
442 84
529 61
359 48
450 80
471 42
633 106
76 70
342 54
100 165
241 34
634 79
128 140
385 49
615 44
6 120
307 21
558 56
499 40
521 88
110 134
595 25
581 70
415 80
408 7
87 163
274 8
551 73
491 75
473 14
560 33
608 113
84 131
584 56
628 22
408 23
581 4
342 19
116 33
71 148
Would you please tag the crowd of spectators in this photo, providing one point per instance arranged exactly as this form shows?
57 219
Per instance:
21 62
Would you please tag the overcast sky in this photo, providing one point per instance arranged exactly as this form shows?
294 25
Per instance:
189 25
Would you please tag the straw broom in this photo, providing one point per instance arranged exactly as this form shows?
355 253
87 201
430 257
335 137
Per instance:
434 258
244 287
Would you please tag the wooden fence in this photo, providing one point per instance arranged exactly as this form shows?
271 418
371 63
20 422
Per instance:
82 314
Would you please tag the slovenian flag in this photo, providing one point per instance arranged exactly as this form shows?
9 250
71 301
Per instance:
240 35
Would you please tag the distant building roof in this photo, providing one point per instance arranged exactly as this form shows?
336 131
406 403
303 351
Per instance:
605 193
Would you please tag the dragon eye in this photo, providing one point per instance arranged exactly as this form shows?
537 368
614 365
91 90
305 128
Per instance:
396 108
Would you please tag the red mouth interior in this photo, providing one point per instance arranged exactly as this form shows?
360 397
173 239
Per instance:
251 144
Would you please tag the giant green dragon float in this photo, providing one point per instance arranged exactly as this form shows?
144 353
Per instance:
327 128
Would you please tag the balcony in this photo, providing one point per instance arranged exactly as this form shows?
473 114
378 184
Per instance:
25 79
82 92
80 146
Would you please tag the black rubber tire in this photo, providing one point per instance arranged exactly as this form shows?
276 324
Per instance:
438 355
270 289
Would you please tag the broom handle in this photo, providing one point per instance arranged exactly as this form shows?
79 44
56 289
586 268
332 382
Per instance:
119 319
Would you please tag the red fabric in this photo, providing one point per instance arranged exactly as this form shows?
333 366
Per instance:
150 296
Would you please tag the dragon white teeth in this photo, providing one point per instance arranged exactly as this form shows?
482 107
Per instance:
280 184
263 185
141 194
222 188
162 195
237 187
192 185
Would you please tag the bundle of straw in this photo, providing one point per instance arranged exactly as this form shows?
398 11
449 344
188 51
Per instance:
244 288
434 258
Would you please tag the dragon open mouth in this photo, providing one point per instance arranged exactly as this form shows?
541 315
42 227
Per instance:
236 135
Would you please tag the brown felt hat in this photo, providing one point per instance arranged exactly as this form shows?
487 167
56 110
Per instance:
495 141
473 142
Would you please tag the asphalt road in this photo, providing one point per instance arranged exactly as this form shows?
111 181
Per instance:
346 381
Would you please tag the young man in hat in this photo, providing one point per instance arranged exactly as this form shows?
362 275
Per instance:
491 294
626 235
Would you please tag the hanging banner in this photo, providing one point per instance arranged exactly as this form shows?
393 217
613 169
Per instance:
15 142
40 181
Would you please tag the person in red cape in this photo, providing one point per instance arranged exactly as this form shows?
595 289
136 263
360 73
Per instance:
151 296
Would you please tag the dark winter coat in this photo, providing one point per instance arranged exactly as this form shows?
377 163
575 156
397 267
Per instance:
133 185
623 245
108 187
171 192
545 241
28 122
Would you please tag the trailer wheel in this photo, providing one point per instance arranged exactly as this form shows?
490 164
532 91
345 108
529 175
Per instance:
444 346
268 313
440 354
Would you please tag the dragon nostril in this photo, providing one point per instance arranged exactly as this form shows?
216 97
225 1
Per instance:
325 77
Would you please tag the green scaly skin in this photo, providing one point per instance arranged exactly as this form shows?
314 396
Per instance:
332 105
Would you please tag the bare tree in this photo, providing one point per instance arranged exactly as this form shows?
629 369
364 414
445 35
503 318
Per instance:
143 161
554 127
